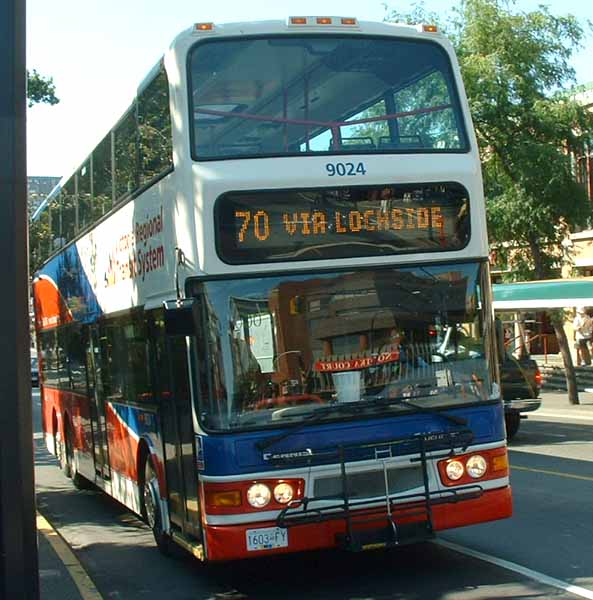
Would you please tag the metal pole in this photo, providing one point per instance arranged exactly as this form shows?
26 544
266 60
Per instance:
18 544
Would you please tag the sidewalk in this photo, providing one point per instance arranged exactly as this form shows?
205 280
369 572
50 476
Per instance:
61 576
555 404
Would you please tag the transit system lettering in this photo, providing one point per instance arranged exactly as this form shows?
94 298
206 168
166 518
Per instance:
137 252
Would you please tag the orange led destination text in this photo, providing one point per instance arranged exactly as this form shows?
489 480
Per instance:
258 225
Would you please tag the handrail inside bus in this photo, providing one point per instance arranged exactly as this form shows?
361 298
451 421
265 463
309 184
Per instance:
328 124
333 125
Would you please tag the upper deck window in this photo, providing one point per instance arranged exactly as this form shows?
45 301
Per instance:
306 95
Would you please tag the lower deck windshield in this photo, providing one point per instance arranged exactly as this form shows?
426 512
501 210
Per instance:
278 350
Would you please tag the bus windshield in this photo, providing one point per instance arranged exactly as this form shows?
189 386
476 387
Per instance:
279 96
273 350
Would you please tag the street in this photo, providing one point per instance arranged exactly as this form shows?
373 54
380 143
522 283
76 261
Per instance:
549 536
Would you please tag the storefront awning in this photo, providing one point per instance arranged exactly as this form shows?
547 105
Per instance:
551 293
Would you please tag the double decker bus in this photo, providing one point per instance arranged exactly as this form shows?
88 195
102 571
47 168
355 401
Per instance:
264 313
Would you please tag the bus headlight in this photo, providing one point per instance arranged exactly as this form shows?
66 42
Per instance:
454 470
476 466
283 493
259 495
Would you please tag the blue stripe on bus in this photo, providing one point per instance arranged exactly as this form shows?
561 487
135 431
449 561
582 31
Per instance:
67 271
140 422
236 454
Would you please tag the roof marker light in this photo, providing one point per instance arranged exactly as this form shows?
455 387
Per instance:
430 28
349 21
298 20
204 26
324 20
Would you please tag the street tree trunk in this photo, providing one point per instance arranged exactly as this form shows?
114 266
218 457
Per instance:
557 318
571 380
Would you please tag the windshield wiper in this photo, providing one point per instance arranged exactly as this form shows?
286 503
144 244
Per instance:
355 407
347 407
405 401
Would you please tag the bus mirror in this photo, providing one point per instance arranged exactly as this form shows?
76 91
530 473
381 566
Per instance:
499 335
179 317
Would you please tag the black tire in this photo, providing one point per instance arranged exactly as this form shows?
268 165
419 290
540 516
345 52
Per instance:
65 454
151 509
68 463
512 421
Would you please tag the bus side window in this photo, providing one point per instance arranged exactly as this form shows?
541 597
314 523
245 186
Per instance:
127 367
102 178
83 183
49 360
76 350
126 155
55 223
154 129
160 360
68 197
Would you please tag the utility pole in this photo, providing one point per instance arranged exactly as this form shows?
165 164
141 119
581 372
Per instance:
19 579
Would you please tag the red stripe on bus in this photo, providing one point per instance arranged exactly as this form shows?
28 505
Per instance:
123 447
229 542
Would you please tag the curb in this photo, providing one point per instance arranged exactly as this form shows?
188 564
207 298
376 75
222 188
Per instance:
79 576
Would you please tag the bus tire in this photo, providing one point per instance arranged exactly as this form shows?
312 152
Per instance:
151 509
512 421
65 453
69 464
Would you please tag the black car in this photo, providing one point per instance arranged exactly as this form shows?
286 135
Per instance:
34 371
521 382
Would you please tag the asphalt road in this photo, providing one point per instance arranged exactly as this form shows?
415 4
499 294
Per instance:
549 535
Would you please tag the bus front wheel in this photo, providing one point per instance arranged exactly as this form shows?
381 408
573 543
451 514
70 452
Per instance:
512 421
151 509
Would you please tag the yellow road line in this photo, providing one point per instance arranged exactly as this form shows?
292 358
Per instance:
557 473
83 582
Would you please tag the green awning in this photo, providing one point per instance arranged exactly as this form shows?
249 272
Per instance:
551 293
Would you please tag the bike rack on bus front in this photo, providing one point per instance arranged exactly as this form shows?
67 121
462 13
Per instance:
392 520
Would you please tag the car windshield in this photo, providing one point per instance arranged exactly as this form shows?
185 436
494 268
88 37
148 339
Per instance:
310 94
274 350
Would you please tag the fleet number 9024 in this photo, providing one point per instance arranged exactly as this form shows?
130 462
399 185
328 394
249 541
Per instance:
345 169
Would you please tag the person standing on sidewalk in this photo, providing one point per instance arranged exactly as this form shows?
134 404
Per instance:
583 328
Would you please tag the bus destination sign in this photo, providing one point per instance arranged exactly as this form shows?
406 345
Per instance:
293 225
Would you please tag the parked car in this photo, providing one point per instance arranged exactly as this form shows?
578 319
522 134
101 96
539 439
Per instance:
521 383
34 371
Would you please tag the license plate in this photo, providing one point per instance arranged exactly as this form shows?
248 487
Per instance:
267 538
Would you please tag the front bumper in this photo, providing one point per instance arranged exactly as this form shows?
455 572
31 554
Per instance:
229 542
522 405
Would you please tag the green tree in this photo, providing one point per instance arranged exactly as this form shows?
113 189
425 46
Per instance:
517 73
40 89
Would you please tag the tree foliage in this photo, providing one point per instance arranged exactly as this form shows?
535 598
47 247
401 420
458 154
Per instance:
40 89
517 74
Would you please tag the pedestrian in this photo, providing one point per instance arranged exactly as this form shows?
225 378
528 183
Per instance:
583 329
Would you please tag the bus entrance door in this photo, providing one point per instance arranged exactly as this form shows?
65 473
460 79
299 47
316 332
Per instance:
178 441
97 407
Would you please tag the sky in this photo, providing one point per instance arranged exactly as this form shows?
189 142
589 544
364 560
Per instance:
98 51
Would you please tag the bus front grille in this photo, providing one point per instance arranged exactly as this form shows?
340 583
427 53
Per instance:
370 484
